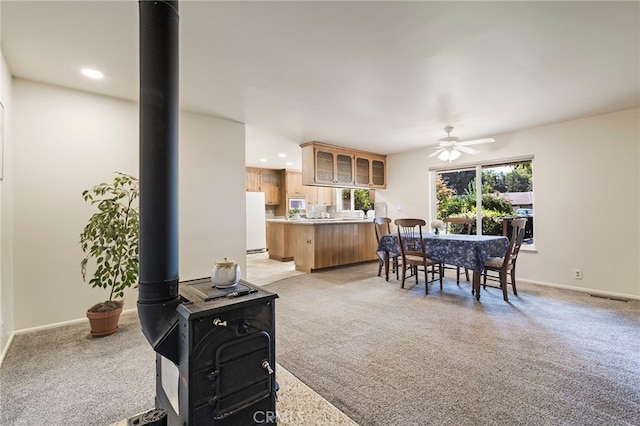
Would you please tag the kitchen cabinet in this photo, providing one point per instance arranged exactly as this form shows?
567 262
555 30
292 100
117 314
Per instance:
328 244
319 195
328 165
270 185
264 180
325 195
281 240
271 195
324 165
293 183
253 180
312 194
370 171
291 188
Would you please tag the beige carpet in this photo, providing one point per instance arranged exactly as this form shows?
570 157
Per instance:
391 356
383 355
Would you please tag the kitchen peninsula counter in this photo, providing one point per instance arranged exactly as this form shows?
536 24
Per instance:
324 243
321 243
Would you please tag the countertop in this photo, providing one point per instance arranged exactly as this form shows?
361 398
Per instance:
330 221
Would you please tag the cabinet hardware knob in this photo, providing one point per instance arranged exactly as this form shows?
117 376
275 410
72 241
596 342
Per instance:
219 323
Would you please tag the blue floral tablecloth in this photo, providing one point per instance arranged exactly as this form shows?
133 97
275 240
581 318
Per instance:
466 251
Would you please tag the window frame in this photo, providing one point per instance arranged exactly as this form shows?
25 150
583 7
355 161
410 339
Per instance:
477 166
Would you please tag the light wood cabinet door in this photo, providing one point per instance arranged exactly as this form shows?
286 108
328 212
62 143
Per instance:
328 165
270 177
378 172
320 195
333 167
264 180
311 193
294 184
370 171
325 195
271 195
252 180
270 185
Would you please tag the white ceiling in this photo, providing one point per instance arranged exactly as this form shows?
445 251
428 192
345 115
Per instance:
380 76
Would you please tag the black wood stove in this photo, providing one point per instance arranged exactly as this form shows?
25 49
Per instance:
215 348
226 369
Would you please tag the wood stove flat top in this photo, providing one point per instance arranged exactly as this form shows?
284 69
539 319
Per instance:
200 295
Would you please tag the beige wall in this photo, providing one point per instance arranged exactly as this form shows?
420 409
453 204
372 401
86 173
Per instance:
212 194
586 176
6 212
67 141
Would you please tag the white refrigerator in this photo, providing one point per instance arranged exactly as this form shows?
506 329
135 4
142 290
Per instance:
256 234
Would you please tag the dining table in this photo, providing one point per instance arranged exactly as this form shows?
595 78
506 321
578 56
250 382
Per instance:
466 251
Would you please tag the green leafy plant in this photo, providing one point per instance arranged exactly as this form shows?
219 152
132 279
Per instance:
361 200
292 212
111 238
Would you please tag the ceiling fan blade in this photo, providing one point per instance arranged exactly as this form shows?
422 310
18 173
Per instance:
466 150
477 141
436 152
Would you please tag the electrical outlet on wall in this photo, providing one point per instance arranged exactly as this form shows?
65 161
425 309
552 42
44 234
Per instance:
577 274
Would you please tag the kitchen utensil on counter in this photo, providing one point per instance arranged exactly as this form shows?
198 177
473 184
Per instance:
225 273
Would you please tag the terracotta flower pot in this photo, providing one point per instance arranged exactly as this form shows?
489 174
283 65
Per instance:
104 323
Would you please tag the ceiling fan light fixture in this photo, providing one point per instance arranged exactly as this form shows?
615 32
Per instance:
451 148
449 155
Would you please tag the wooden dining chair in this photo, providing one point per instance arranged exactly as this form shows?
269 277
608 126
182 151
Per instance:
382 226
504 266
458 225
414 253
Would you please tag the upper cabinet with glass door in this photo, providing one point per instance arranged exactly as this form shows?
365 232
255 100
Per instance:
371 171
328 165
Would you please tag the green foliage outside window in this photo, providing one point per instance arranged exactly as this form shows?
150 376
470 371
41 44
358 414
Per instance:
454 201
360 199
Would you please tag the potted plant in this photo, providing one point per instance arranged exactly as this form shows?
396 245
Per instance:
293 214
110 238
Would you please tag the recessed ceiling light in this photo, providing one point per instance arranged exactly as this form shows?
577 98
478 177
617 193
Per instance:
263 160
95 74
282 155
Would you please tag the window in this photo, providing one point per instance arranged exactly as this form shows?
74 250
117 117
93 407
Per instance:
505 191
354 199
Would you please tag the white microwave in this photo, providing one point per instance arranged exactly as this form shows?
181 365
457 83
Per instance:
297 203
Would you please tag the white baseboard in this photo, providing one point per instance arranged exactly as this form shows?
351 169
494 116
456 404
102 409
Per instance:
60 324
581 289
6 349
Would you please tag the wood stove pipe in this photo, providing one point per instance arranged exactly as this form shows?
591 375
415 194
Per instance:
159 103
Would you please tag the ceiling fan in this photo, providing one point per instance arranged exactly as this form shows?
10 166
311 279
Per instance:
451 147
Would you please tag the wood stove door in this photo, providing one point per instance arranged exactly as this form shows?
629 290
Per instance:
245 374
